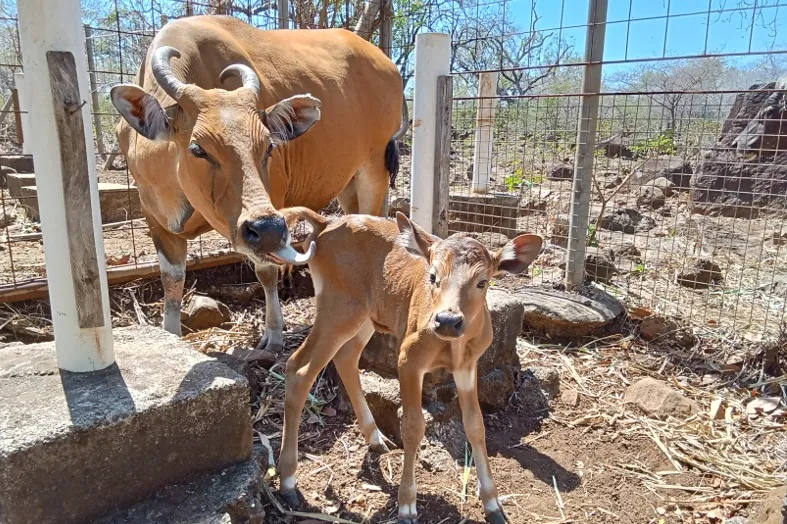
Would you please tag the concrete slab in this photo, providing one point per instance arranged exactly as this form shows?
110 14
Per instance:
231 495
75 446
16 181
118 202
19 163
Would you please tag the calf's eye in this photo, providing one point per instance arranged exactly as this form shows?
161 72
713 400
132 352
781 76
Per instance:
481 284
432 278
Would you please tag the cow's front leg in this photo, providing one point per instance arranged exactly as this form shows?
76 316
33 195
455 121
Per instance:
272 340
171 252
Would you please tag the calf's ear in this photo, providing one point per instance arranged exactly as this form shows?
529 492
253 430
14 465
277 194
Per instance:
517 254
413 238
141 111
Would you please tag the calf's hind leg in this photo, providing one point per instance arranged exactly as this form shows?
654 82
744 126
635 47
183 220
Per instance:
346 362
328 335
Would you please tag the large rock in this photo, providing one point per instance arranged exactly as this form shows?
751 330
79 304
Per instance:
627 220
657 398
560 314
676 170
497 367
746 172
664 184
561 172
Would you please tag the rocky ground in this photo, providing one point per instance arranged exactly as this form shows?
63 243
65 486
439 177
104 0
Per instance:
649 420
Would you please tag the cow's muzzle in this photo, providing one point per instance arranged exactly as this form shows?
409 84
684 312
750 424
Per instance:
269 237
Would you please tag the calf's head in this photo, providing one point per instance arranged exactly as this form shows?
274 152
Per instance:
459 271
223 145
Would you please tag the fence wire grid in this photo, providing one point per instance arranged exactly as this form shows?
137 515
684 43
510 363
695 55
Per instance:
689 175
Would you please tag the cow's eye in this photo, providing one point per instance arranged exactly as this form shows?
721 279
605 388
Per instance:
432 278
197 151
482 284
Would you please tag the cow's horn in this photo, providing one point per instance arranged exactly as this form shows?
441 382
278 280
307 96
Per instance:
162 70
291 256
246 74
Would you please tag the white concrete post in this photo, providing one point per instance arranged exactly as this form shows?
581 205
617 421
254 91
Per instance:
24 106
432 59
484 129
57 26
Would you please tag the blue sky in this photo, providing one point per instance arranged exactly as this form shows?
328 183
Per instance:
689 30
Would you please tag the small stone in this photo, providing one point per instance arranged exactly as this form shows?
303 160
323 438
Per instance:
651 197
657 398
657 327
627 220
570 398
599 268
548 380
205 313
701 275
400 204
667 186
561 172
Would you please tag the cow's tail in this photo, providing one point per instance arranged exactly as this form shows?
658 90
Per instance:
392 150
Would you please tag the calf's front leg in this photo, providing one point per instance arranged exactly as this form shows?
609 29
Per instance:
473 421
413 427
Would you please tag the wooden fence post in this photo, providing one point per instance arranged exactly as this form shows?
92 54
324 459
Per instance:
442 155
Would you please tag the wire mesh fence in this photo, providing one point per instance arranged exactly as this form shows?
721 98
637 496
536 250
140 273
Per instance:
689 177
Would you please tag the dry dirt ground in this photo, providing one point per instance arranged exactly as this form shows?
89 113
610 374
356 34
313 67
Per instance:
595 461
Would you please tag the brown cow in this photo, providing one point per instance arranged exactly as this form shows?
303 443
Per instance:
210 138
370 275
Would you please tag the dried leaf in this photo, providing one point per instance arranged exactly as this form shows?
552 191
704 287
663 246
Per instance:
328 411
762 405
717 408
313 419
372 487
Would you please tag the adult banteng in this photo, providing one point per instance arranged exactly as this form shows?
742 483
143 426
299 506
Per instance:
215 133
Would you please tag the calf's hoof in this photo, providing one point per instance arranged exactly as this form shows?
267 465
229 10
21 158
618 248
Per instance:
497 517
408 521
291 498
380 448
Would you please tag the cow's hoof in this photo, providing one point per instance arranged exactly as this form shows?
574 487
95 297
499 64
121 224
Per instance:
291 498
497 517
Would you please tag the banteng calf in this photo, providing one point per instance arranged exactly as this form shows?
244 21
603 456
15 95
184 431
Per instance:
373 274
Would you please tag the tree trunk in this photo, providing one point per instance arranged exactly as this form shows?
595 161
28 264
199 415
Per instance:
365 26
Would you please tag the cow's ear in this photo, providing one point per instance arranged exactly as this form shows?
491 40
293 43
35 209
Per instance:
141 111
291 118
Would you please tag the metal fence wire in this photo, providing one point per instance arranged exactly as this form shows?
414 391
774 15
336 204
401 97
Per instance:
687 194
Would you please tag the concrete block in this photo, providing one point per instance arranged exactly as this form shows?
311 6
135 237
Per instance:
118 202
493 213
75 446
19 163
16 181
231 495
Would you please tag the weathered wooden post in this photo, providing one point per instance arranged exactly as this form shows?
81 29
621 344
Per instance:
386 44
442 155
484 130
586 143
67 186
432 60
